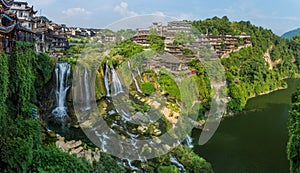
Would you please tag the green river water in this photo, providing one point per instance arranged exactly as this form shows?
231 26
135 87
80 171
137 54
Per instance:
253 141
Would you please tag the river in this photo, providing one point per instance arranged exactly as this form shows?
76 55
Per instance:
253 141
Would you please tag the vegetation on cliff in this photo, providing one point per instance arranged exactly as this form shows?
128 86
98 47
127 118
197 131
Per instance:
247 72
247 75
294 134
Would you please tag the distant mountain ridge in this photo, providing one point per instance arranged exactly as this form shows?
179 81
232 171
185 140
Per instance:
291 33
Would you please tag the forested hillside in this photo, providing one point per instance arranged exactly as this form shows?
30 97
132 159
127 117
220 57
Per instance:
247 72
294 134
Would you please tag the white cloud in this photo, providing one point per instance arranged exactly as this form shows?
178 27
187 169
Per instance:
122 8
71 12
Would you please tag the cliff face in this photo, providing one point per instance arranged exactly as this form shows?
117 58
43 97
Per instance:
268 59
99 84
47 97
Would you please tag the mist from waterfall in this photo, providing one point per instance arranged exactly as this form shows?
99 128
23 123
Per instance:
62 73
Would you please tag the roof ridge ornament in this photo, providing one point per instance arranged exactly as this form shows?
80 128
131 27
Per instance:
6 4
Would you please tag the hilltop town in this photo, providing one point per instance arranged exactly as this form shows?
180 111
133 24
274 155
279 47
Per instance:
20 22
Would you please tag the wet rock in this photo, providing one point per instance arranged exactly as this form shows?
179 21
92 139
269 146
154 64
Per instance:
157 132
76 151
51 134
166 112
87 124
142 129
88 155
167 147
75 147
176 115
157 140
97 155
74 144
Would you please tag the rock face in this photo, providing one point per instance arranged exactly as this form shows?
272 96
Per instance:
77 148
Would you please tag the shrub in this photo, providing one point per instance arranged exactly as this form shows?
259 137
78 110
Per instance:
53 160
168 169
148 88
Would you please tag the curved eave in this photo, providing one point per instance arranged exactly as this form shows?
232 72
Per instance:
8 29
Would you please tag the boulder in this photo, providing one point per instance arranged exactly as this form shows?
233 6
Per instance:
76 151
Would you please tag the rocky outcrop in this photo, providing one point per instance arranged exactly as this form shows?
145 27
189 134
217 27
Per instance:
268 58
77 148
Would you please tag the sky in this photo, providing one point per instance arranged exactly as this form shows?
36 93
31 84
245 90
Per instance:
279 16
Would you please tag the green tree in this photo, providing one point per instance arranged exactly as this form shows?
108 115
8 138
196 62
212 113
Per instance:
168 169
3 85
156 41
294 134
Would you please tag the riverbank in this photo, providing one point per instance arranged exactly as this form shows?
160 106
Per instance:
244 133
267 92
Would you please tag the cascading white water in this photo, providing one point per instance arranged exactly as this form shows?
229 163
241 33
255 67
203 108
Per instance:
116 86
134 79
177 163
106 83
62 73
139 73
189 141
87 90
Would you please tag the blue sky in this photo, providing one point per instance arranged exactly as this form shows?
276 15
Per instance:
280 16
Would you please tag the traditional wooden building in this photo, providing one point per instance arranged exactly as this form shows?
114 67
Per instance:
141 37
11 30
25 14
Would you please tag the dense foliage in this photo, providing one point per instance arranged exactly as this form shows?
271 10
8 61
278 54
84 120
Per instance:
168 169
247 72
293 147
4 73
156 41
169 85
51 159
20 138
191 162
21 146
28 72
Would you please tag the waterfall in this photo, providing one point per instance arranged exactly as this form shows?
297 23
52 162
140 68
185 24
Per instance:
87 90
189 141
106 79
116 87
177 163
128 164
62 73
134 79
139 73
